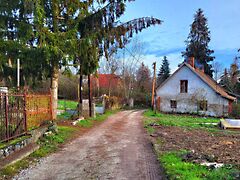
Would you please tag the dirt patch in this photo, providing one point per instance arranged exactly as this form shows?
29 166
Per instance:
215 147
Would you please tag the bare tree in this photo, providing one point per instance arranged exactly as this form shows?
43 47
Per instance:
130 61
217 69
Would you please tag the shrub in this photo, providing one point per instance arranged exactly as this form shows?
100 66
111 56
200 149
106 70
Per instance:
236 110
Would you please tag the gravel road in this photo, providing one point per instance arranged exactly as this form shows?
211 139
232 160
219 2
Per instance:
116 149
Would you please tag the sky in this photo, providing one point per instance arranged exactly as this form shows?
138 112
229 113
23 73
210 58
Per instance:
177 15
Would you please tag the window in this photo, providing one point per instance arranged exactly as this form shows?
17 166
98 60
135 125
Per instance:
183 86
202 105
173 104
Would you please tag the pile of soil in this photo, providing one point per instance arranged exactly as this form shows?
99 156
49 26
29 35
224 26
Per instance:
218 147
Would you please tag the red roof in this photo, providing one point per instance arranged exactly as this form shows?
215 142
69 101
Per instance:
106 80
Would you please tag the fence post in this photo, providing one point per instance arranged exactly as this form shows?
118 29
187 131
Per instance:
25 110
6 116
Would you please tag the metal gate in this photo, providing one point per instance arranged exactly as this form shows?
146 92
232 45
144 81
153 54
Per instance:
22 112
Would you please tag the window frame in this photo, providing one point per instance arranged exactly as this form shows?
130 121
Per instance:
183 86
173 104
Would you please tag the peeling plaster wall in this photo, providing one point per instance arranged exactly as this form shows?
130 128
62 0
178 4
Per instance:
187 102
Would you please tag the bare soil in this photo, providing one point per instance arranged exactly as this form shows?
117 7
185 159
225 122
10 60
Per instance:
218 147
116 149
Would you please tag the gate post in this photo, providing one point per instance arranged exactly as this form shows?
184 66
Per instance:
6 115
25 110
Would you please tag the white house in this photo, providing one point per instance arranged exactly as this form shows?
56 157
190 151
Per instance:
190 90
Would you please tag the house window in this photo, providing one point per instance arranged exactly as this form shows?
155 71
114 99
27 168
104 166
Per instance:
173 104
202 105
183 86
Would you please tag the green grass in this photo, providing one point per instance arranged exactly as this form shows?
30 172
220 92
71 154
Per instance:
67 104
175 168
90 121
48 144
179 120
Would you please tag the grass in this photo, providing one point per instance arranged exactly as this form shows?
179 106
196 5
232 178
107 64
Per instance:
176 168
67 104
48 144
179 120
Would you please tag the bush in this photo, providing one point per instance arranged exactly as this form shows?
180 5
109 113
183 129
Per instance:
236 110
113 102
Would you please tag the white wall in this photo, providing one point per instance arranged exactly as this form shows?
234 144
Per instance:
187 102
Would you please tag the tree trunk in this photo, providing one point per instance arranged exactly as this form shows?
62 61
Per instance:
54 90
80 93
89 95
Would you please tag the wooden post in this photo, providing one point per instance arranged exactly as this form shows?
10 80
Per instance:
25 111
90 95
6 116
80 93
51 104
153 84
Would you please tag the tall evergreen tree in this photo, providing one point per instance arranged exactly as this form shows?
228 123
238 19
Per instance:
62 31
164 71
197 42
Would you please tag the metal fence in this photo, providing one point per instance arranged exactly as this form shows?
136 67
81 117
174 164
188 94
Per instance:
22 112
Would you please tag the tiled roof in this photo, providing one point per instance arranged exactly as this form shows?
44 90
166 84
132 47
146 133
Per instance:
106 80
213 84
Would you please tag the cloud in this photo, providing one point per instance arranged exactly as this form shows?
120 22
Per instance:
163 52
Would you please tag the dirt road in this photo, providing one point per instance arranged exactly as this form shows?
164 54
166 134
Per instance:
117 149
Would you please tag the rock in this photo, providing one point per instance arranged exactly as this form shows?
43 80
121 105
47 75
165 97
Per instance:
2 154
213 165
53 128
227 143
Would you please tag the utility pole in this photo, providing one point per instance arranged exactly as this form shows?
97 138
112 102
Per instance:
153 84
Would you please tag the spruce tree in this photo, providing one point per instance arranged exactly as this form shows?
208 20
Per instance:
164 71
197 42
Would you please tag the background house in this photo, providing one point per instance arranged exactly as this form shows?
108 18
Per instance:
190 90
109 84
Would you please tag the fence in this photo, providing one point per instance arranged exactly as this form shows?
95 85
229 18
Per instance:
22 112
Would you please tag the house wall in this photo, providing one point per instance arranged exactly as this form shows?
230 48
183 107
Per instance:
188 102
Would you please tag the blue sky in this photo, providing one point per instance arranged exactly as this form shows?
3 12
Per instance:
168 39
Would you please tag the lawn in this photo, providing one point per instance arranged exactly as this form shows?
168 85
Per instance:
176 168
174 136
180 120
67 104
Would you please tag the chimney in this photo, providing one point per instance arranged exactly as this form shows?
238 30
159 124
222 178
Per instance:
191 61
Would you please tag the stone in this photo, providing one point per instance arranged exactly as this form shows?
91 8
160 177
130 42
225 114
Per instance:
2 154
